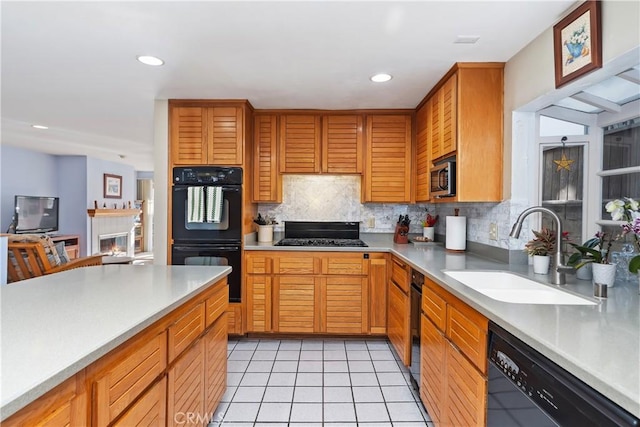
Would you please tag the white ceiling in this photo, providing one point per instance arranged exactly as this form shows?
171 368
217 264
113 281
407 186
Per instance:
72 65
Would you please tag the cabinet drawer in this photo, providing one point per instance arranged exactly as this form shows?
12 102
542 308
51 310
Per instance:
296 265
346 265
124 382
467 329
258 264
434 307
400 274
217 303
185 330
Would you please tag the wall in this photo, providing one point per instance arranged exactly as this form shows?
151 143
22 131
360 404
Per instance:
25 172
72 182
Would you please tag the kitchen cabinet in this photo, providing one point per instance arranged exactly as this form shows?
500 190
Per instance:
423 155
206 133
463 114
387 175
65 405
342 144
300 143
234 318
378 283
185 382
453 350
315 292
266 181
149 410
399 310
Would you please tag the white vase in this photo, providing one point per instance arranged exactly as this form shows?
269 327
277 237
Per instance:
265 233
604 274
585 272
541 264
429 233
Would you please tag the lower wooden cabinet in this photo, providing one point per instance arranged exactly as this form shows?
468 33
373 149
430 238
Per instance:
295 304
149 410
399 322
319 292
215 355
234 319
65 405
185 383
453 381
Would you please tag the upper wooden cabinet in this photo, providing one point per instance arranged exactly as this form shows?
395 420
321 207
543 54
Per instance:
267 182
462 118
387 175
342 144
206 135
300 143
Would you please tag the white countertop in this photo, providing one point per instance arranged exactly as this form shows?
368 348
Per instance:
599 344
54 326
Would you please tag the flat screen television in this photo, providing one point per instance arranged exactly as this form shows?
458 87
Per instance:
34 214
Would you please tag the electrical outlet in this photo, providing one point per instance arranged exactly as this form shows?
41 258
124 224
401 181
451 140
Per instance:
493 231
371 223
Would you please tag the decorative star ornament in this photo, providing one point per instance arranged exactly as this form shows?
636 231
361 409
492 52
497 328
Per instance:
563 163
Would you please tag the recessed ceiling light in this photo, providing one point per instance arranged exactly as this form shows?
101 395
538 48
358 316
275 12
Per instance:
39 127
381 78
466 39
150 60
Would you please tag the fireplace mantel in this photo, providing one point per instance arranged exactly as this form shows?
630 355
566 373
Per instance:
112 212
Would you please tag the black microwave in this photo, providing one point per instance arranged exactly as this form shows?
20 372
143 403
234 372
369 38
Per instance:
443 179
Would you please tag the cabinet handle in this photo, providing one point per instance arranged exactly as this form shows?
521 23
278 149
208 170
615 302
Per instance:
401 264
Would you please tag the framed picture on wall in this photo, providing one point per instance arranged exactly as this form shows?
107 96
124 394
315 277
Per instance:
112 186
577 43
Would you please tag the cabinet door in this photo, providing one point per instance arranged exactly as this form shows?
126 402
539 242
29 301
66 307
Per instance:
150 409
296 264
436 125
185 330
351 264
185 383
466 391
432 369
398 322
215 368
188 135
267 184
136 367
234 319
300 144
388 167
467 329
378 295
342 144
296 304
449 111
345 304
258 303
225 138
423 158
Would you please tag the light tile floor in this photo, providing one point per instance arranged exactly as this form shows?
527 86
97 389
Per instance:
315 382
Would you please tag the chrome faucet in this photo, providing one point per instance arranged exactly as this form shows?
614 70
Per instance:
559 274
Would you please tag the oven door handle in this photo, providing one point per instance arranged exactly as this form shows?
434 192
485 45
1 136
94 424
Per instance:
206 248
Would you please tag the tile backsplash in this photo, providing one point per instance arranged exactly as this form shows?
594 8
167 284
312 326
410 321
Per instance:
337 198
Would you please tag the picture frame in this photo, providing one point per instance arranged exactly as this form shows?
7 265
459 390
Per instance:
577 43
112 186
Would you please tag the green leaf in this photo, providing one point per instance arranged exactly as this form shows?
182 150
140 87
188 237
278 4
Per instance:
634 264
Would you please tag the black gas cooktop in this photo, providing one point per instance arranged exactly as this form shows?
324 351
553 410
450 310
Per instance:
321 242
317 233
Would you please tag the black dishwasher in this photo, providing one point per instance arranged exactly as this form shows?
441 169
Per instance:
417 280
527 389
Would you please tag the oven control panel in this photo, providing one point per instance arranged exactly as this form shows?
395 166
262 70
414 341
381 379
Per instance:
204 175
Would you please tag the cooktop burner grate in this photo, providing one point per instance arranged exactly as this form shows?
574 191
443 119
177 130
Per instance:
321 242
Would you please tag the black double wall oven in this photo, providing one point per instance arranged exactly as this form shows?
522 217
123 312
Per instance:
198 239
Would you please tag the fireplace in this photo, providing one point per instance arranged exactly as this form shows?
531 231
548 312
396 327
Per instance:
115 244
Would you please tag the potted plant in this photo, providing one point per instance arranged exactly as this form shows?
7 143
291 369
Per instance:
428 226
596 251
540 248
265 227
628 210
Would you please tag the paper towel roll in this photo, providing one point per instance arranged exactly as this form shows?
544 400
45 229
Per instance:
456 233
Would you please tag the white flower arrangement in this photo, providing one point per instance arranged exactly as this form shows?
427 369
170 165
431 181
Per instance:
579 36
628 210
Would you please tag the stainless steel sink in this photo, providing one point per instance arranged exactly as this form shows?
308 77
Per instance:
509 287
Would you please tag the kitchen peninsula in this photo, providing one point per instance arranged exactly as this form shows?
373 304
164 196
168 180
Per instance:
599 344
113 343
